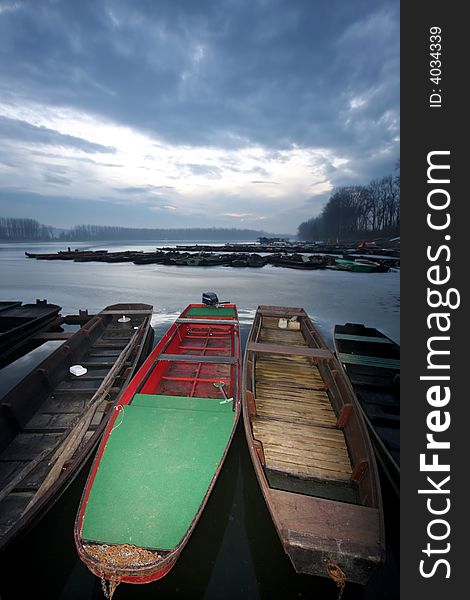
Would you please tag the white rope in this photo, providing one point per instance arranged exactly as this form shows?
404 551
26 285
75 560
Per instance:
119 408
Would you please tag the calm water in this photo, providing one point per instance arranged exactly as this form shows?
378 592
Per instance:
234 552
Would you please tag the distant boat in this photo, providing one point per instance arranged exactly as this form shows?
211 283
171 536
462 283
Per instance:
372 362
163 450
310 449
52 420
18 322
360 265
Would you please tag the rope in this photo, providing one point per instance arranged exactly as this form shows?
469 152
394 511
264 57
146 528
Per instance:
338 576
120 409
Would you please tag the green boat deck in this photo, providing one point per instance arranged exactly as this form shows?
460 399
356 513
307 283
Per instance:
156 469
210 311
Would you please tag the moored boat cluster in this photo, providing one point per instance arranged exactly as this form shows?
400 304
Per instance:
164 431
231 256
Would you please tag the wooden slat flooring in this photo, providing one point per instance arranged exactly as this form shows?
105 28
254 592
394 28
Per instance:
295 421
312 450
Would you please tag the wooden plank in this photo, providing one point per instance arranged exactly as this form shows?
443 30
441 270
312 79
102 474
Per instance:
300 443
197 358
50 423
314 419
373 361
207 321
363 338
285 385
127 312
279 459
307 452
295 403
307 471
310 460
52 335
27 446
259 347
297 430
303 406
280 311
309 413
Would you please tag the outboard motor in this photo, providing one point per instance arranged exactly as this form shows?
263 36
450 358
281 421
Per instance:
210 298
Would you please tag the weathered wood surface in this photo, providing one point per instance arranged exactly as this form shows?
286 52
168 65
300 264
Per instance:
51 407
317 532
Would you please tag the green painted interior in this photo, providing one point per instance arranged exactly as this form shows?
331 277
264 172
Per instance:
373 361
210 311
156 469
362 338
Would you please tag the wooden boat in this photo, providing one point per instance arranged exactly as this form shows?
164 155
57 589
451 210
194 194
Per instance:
20 321
356 266
4 304
310 449
52 420
162 450
372 363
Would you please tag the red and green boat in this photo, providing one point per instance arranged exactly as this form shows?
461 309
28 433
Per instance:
163 449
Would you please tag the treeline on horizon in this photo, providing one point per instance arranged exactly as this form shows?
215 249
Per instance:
90 233
24 229
357 212
12 229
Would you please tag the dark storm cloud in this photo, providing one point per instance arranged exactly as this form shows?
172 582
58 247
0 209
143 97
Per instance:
274 76
22 131
272 72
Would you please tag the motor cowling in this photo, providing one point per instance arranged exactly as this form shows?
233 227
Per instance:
210 298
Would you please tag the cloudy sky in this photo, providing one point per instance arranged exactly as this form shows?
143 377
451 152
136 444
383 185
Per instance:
176 113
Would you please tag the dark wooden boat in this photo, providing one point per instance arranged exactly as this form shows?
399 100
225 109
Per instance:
52 420
20 321
310 449
372 363
162 450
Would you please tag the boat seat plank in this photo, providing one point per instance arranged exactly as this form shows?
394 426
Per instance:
305 471
294 398
52 335
136 499
207 321
26 446
197 358
43 422
356 359
260 347
363 338
278 312
127 312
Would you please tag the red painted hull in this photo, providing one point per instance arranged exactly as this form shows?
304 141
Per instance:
217 350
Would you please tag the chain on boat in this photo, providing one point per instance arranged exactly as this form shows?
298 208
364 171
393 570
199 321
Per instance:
338 576
113 583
